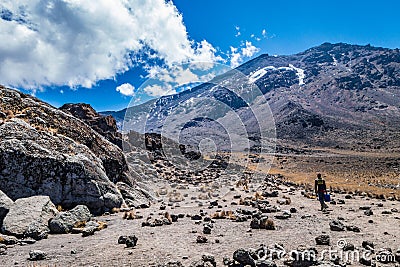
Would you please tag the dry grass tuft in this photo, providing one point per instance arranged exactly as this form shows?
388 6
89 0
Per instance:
102 225
129 215
80 224
115 210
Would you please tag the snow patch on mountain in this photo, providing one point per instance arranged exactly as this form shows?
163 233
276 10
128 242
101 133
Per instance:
261 72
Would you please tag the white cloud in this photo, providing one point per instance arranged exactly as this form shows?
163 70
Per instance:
126 89
238 33
237 55
78 42
264 33
158 90
249 50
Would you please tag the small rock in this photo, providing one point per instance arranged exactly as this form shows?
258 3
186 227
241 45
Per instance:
368 212
201 239
323 240
37 255
353 228
368 245
131 241
87 231
243 257
336 225
196 217
207 229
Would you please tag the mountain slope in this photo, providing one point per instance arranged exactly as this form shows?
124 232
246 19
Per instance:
335 95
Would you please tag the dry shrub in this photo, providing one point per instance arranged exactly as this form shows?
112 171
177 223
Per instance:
223 215
129 215
288 200
115 210
268 224
168 216
9 114
80 224
102 225
258 196
59 208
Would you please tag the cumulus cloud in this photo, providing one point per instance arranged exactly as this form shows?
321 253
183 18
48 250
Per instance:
237 55
249 50
78 42
126 89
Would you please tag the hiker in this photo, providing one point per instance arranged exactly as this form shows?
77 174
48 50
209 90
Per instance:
320 190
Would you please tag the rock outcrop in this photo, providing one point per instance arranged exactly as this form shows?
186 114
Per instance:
45 151
104 125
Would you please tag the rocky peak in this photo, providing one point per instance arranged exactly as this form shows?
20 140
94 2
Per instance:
104 125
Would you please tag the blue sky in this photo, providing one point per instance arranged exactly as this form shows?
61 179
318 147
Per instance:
81 52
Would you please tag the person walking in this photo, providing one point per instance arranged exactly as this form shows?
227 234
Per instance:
320 190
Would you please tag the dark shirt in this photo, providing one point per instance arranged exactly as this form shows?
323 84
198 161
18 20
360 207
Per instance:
320 185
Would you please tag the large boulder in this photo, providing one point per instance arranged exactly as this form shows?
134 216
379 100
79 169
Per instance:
46 151
65 221
37 162
5 204
29 217
134 197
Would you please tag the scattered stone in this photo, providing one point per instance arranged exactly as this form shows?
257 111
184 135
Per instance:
368 212
88 231
348 247
283 216
27 241
37 255
368 245
3 249
8 240
209 258
293 210
243 257
207 229
353 228
65 221
201 239
387 212
348 196
336 225
196 217
131 241
323 240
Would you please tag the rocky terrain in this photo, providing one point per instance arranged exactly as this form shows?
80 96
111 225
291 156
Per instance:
266 222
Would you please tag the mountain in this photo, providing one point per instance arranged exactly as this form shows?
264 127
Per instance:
333 95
